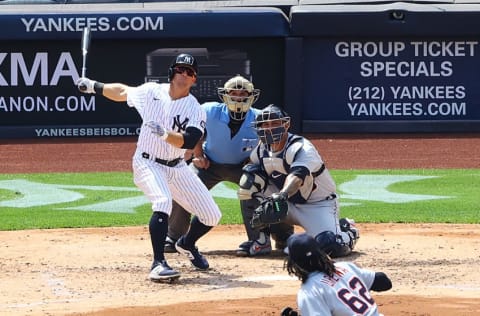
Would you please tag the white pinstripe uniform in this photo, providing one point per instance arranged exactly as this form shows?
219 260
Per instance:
161 183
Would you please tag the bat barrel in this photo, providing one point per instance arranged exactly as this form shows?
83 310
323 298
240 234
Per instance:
85 47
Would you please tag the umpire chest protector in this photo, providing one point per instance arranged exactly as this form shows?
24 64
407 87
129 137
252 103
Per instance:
278 165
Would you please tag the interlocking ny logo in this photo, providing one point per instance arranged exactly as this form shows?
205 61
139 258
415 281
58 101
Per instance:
179 126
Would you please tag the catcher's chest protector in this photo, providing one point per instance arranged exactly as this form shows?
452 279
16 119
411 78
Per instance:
277 167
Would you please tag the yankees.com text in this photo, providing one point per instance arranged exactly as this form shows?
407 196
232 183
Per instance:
399 109
96 24
47 104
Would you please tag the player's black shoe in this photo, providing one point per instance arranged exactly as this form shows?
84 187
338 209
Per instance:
193 254
252 248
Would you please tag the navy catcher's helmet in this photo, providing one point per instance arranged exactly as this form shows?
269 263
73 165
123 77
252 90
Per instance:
272 134
186 60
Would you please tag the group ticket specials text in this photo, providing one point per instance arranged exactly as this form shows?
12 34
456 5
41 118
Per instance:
412 60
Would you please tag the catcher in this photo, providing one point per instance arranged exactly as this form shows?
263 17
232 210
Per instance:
289 177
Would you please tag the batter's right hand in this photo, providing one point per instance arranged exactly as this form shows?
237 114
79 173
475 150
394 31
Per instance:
201 162
85 85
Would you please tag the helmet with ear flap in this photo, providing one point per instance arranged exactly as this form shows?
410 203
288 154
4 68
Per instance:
183 60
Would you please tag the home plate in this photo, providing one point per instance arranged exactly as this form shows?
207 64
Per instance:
269 278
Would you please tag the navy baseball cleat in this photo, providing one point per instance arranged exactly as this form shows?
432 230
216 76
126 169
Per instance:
161 271
193 254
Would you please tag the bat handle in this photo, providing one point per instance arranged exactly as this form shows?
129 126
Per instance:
84 65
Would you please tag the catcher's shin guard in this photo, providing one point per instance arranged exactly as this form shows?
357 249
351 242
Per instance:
280 233
247 207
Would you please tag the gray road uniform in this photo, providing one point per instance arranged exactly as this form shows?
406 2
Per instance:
329 288
314 206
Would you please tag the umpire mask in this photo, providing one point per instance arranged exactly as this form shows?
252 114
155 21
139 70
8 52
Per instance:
238 94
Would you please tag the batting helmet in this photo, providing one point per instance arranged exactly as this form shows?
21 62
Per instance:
305 255
272 133
238 94
186 60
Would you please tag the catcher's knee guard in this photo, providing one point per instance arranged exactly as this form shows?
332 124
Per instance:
332 244
252 182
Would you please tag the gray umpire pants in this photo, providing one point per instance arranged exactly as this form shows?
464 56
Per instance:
179 220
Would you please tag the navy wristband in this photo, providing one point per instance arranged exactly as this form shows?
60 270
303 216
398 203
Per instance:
98 87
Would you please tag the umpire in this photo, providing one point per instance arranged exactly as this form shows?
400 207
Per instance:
228 142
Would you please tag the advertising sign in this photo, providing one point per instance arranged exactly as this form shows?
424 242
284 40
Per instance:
40 64
396 67
385 79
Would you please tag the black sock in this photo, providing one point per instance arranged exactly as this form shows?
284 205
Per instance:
158 232
197 230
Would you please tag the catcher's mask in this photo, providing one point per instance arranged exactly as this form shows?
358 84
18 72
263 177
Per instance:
238 94
182 61
272 124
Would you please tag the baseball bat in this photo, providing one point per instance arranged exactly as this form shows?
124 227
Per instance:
85 47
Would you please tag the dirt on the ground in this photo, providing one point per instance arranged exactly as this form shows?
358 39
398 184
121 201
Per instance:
103 271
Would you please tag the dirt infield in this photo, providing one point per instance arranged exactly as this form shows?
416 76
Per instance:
434 268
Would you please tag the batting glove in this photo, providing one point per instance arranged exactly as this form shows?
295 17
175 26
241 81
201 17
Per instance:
157 129
86 85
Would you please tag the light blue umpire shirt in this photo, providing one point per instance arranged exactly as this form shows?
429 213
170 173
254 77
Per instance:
218 145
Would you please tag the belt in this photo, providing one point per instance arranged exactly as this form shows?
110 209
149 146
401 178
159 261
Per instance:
169 163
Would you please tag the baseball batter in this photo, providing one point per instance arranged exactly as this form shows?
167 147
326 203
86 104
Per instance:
288 167
329 288
172 123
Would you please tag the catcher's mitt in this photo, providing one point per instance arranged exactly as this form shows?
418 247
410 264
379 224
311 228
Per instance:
271 211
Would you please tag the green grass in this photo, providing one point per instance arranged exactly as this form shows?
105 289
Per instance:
460 187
